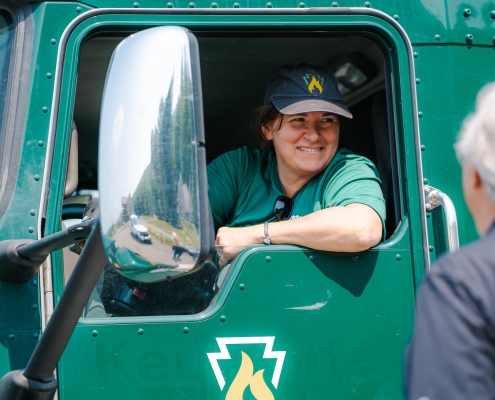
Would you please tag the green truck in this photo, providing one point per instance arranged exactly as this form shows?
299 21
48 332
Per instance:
128 102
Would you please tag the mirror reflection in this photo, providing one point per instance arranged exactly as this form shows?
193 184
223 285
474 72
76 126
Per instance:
148 157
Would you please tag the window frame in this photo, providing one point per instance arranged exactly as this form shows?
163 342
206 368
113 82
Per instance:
97 21
17 96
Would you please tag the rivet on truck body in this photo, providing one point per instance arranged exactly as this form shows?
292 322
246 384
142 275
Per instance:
170 5
192 5
78 9
214 5
418 81
11 337
426 181
34 307
428 215
185 330
53 41
396 17
415 54
423 147
41 143
367 4
32 213
36 178
268 259
31 229
136 5
302 5
420 114
140 331
237 5
398 257
94 333
469 38
335 4
223 318
36 336
49 75
467 12
242 287
44 109
431 248
492 14
437 37
269 5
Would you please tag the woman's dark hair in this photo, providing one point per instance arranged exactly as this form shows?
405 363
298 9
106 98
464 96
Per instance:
264 115
268 113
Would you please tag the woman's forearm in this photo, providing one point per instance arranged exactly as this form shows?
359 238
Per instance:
356 227
352 228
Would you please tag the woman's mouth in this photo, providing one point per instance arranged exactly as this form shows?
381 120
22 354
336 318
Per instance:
310 149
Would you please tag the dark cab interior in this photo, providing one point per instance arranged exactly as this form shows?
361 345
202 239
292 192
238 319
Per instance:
234 70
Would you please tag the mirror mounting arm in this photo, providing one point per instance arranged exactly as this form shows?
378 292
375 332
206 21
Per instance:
37 381
21 259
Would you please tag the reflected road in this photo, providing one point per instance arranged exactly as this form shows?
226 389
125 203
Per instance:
154 252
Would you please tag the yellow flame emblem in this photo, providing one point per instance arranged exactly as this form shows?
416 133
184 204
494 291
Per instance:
245 378
314 84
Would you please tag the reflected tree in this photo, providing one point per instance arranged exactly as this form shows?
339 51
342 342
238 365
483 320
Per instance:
164 189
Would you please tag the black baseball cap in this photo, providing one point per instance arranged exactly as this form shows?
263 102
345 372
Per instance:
296 89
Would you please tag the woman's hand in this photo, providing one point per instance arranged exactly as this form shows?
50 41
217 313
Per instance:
234 240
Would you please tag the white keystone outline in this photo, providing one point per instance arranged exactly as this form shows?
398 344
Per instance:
224 355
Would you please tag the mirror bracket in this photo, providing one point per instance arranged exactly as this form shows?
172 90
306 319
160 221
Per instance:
21 259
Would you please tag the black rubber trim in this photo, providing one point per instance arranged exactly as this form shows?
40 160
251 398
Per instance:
207 245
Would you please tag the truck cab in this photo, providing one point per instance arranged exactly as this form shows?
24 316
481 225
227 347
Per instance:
284 321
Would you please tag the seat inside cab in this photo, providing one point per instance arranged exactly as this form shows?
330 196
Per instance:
235 68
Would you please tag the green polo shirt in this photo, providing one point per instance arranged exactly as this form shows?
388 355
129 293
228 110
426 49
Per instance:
244 183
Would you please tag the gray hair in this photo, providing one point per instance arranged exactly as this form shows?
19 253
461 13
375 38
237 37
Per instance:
476 142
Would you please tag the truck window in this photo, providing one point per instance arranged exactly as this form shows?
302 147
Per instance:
232 89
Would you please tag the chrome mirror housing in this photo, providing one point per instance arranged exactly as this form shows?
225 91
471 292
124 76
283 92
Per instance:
155 218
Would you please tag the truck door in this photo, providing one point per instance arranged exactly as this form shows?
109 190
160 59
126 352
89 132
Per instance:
287 322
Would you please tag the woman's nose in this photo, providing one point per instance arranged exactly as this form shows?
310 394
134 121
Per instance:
312 132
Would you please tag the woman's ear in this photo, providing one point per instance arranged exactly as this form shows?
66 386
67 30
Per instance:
267 130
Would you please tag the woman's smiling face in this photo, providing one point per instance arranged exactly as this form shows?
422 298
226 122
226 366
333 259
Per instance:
305 143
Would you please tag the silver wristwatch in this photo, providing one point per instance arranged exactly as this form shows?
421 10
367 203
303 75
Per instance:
267 239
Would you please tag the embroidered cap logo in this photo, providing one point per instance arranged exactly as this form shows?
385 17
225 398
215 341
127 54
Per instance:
314 81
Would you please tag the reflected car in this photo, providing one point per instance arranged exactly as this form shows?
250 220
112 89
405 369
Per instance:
193 252
138 230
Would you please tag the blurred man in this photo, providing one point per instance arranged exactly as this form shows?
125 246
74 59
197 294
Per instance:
452 353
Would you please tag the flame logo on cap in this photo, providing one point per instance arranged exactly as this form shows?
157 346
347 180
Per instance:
316 82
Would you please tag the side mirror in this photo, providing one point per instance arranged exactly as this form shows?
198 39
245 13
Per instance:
155 219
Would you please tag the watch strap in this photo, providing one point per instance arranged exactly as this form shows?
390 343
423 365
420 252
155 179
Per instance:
267 239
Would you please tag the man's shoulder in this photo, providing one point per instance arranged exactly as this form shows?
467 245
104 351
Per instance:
473 264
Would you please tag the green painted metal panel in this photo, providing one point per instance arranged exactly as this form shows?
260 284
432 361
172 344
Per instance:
425 21
342 321
21 219
450 78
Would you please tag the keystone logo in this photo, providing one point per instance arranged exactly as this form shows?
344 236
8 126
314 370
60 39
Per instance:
246 376
314 81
